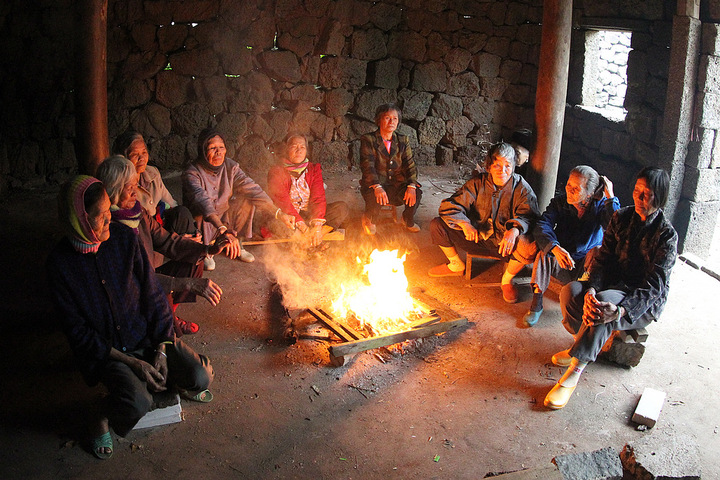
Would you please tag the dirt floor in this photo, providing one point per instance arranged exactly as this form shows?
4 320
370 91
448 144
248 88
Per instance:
458 405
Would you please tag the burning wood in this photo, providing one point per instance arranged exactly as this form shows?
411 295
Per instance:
381 311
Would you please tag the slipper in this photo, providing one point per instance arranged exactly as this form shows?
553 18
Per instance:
187 328
103 441
531 318
558 397
509 292
205 396
444 271
562 359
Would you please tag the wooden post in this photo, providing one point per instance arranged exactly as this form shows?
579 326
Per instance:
551 97
91 117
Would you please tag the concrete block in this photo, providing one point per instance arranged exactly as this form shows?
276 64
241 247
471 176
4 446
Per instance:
701 185
665 454
648 409
710 38
598 465
696 226
640 335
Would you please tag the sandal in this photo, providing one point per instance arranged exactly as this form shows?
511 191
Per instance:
103 441
205 396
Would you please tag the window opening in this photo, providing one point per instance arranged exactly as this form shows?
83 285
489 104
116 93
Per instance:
605 76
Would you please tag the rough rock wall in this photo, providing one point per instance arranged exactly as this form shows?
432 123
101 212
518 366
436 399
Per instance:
463 72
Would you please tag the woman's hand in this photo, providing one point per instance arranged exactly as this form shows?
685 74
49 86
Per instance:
608 190
410 196
317 235
381 196
288 220
149 373
233 247
207 289
302 226
563 257
507 244
471 233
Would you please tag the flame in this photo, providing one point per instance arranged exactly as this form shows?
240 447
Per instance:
383 301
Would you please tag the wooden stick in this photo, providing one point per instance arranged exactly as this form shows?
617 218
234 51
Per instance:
343 331
334 236
383 340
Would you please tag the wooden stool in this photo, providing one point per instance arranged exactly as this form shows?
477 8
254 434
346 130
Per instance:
468 262
393 212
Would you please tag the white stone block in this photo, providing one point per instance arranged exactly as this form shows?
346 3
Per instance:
649 406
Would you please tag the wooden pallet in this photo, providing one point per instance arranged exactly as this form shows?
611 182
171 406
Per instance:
430 323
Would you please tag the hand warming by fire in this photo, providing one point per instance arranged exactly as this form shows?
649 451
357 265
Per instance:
380 299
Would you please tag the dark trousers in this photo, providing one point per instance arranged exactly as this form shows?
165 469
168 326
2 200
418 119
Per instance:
444 236
129 399
590 340
396 196
179 220
546 266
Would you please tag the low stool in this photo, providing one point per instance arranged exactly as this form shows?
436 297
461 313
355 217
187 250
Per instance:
468 262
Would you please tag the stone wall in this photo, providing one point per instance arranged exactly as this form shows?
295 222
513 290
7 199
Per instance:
463 72
699 204
619 147
612 66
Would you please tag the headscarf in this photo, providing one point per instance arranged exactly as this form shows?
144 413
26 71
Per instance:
128 216
73 216
203 141
295 169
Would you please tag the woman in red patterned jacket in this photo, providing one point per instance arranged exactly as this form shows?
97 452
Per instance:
296 187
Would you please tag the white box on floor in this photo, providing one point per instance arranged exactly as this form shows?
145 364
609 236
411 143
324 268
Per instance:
165 413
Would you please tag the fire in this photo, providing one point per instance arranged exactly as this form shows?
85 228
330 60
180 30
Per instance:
383 301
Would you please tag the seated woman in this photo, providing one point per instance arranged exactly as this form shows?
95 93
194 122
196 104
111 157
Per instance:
222 197
628 284
115 314
181 277
389 175
151 191
492 214
297 187
569 231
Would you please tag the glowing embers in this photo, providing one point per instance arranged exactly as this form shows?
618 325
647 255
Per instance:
379 301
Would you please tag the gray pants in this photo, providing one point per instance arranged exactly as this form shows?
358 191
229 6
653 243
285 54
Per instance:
129 399
590 340
546 266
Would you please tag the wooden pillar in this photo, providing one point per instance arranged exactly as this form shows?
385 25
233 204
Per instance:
91 124
551 97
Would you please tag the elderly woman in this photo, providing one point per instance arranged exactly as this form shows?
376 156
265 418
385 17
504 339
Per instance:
296 186
569 231
115 315
181 277
223 197
389 175
628 284
151 191
492 214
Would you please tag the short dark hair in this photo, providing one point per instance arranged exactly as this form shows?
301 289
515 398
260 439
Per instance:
659 182
524 138
384 108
